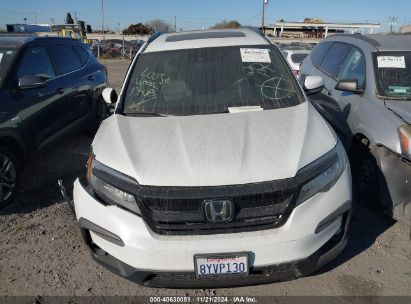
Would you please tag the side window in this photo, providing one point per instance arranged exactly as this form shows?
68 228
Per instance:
319 52
65 58
36 61
82 53
354 68
335 57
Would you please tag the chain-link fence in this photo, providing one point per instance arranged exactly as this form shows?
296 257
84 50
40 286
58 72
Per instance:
116 48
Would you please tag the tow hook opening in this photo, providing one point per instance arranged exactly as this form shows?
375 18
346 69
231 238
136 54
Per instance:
97 250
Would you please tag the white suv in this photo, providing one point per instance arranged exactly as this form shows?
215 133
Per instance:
214 170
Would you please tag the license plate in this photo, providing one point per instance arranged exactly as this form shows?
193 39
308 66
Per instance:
221 265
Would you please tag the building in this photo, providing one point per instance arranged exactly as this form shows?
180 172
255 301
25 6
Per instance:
27 28
406 29
316 29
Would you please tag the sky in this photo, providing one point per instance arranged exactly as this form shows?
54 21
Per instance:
195 14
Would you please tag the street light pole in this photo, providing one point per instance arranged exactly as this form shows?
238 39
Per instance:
262 18
102 14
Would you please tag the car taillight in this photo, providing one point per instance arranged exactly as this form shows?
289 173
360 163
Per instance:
405 140
296 73
105 70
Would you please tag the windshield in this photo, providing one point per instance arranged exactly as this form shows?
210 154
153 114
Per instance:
209 80
393 74
6 58
298 57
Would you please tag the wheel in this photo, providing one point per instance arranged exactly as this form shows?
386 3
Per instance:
10 170
366 173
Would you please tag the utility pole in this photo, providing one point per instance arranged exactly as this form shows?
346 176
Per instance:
102 15
262 18
175 24
392 21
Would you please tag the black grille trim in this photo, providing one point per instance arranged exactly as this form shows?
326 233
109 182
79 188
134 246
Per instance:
257 207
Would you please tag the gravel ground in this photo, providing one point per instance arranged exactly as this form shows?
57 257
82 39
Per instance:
42 252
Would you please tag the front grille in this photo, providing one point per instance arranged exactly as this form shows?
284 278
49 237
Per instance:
176 212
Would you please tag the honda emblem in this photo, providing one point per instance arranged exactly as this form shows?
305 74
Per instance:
218 210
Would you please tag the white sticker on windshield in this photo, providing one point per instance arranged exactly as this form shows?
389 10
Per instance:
255 55
1 56
397 62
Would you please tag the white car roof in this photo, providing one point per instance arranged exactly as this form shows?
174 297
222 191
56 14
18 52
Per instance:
203 39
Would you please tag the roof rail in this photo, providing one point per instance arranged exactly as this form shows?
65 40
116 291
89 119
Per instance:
150 39
367 39
254 29
258 32
153 37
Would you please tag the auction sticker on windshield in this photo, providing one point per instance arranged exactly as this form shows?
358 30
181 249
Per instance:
391 62
221 265
255 55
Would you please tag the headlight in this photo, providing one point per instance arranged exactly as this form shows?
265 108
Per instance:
323 173
111 186
405 140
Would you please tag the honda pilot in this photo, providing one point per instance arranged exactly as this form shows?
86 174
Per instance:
214 170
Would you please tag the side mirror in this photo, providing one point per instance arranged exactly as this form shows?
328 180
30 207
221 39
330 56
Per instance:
349 85
109 95
32 82
313 85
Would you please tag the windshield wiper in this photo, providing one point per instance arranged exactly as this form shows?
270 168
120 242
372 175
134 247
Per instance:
144 113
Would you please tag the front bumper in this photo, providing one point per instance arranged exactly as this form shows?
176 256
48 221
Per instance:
394 181
258 275
313 235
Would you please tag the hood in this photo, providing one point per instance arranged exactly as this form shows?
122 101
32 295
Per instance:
400 107
212 150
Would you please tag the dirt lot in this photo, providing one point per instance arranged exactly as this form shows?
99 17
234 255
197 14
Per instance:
42 252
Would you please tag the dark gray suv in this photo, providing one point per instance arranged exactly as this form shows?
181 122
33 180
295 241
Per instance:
49 87
367 99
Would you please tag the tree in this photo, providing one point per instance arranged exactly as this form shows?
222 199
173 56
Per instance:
89 29
137 29
69 20
158 25
224 24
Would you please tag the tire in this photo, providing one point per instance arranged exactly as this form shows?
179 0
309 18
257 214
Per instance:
101 112
366 173
10 173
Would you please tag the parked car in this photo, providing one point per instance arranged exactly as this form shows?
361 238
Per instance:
294 58
367 99
214 169
302 45
49 87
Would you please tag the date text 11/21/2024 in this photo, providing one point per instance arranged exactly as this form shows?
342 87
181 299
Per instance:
203 299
